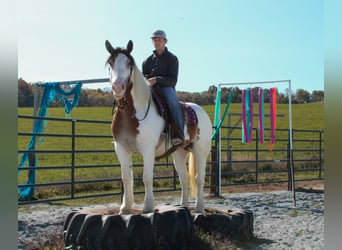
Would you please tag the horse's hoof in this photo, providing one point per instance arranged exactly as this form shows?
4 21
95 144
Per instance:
147 211
199 210
125 211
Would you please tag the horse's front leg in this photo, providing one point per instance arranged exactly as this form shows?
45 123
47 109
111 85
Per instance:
125 159
148 156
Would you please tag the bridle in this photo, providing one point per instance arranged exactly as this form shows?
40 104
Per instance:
128 83
125 104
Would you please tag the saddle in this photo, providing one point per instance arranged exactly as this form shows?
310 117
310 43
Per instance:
190 119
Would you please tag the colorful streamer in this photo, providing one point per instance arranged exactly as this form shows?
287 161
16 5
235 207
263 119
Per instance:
244 122
273 114
217 105
275 107
261 118
247 115
250 116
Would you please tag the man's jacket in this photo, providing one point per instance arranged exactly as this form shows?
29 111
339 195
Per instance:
163 67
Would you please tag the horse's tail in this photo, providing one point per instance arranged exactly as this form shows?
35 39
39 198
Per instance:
192 175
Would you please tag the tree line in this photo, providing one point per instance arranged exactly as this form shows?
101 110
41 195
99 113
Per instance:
104 97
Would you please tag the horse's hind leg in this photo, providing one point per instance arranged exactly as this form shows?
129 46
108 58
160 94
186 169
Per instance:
125 159
179 159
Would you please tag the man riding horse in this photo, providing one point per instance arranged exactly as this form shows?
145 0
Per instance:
161 72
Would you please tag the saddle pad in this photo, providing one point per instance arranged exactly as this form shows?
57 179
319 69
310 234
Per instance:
190 117
189 114
158 100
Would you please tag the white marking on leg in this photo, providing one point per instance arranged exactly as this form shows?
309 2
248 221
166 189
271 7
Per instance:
148 180
125 159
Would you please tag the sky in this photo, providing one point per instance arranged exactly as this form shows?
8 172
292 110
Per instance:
218 41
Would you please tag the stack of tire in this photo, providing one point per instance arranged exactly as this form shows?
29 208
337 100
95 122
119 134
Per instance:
172 227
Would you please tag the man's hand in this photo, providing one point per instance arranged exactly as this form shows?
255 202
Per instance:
151 81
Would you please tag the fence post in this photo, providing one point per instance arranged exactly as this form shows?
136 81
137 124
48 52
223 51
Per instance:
320 155
213 167
289 182
256 155
218 163
73 123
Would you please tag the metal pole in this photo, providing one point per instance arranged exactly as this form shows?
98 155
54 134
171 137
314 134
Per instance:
213 167
320 154
291 147
87 81
219 159
73 157
289 182
245 83
256 155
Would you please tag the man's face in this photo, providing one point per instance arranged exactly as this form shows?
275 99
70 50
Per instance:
159 43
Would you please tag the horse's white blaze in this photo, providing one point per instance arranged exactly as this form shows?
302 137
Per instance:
119 75
148 140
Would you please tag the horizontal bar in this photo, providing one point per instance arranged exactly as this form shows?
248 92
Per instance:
261 82
63 119
68 151
86 81
64 135
256 115
68 167
44 118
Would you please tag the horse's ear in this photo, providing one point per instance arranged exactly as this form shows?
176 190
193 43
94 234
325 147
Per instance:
109 47
129 46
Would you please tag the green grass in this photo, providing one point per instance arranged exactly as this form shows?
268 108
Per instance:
305 116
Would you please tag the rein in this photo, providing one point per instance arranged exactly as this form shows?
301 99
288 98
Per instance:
148 109
125 103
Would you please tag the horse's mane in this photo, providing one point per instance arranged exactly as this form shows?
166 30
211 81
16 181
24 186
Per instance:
143 92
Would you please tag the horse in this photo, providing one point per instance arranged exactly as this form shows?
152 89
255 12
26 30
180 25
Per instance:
137 127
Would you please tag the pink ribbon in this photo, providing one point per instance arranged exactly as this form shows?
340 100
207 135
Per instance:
273 115
250 116
261 115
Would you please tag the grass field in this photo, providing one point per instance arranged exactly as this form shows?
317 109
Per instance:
305 116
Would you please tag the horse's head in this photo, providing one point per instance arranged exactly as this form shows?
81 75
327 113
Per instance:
120 68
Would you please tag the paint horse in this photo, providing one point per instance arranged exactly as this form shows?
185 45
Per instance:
137 127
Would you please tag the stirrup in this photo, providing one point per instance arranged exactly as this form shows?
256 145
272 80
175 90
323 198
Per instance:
177 141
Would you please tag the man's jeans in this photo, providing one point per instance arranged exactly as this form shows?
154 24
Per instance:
171 100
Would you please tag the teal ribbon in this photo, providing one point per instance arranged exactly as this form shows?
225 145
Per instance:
247 114
51 90
217 107
217 127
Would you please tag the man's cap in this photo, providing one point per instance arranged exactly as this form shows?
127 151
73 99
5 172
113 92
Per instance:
159 33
